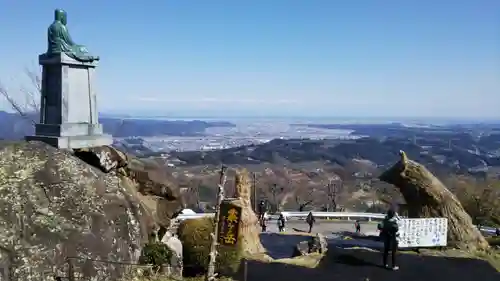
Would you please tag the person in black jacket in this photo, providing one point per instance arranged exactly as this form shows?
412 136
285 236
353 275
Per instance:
263 225
389 233
310 221
262 209
281 223
357 225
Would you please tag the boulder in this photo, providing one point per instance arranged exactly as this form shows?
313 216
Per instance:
55 207
157 193
106 158
321 244
426 196
301 249
317 244
148 182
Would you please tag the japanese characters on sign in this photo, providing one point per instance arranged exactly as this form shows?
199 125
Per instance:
428 232
229 221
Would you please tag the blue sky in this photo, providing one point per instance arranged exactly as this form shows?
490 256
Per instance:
361 58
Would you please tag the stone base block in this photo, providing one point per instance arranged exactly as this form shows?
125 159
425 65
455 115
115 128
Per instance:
73 142
68 129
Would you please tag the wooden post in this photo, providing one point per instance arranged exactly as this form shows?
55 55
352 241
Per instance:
245 270
71 271
215 234
254 176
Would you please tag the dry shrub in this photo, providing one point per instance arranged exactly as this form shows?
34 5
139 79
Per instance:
494 241
480 198
195 237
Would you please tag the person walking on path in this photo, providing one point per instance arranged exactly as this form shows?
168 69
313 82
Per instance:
281 223
357 225
263 225
310 221
389 232
262 209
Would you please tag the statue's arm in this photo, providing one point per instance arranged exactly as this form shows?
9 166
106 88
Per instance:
67 37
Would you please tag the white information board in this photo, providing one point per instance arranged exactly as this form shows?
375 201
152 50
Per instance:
428 232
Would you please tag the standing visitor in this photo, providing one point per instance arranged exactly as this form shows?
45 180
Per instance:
281 223
263 225
357 226
389 233
310 221
262 209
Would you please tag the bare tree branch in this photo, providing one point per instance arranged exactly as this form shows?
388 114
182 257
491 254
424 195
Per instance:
333 189
34 78
28 103
275 191
194 194
306 201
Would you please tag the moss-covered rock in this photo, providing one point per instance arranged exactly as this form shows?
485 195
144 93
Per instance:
195 237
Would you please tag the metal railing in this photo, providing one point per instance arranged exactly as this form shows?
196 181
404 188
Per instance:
288 215
343 215
326 215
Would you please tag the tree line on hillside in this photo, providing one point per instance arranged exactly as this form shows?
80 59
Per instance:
337 152
302 190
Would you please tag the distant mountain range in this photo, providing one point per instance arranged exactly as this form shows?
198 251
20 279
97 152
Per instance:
13 126
443 151
402 130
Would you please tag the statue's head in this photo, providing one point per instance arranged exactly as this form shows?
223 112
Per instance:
60 15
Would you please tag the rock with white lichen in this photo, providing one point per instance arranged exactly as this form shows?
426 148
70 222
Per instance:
54 206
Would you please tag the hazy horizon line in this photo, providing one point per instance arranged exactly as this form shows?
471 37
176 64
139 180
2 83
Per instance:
222 117
297 118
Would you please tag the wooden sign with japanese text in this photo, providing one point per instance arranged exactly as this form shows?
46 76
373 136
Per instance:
229 222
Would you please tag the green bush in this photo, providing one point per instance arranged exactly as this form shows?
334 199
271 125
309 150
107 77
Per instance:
494 241
156 254
195 237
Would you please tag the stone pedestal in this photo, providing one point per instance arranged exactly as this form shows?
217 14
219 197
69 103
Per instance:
68 107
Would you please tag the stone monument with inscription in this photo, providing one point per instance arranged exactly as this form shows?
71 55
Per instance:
68 108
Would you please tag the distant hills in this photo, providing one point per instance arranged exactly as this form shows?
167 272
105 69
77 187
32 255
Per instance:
401 130
14 126
450 151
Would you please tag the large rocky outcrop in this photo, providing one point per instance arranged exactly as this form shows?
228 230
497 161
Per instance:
426 196
54 206
149 182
